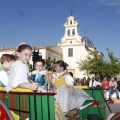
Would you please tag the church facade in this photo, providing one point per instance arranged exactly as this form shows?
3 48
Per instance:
71 49
74 47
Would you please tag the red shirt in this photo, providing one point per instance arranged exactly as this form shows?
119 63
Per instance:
105 84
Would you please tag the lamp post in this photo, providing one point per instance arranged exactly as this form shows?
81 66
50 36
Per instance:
35 57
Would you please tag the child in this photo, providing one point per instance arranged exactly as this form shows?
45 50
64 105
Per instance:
40 73
70 99
18 75
113 87
6 61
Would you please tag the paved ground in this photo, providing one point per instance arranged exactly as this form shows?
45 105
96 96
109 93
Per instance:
114 107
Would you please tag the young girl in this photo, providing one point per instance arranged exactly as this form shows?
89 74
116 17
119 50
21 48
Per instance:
68 97
40 73
18 76
6 61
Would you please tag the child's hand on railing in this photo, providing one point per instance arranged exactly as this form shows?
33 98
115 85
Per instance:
34 86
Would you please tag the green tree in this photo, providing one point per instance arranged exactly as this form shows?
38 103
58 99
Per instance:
113 64
30 66
92 64
49 64
95 64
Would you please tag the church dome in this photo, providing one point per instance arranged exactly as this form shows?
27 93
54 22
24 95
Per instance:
87 41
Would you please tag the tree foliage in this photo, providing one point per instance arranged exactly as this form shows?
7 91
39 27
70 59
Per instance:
95 64
113 64
49 64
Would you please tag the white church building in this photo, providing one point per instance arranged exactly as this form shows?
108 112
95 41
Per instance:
71 49
74 47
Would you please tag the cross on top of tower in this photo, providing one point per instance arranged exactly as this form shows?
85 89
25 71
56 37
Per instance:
71 12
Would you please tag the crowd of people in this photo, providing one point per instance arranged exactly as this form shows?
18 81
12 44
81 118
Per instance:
108 84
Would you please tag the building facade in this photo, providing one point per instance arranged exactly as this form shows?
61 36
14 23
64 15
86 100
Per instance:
47 52
74 47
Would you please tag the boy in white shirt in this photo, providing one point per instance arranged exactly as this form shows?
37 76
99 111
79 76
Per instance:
6 61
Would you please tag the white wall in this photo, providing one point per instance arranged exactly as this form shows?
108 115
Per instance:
79 52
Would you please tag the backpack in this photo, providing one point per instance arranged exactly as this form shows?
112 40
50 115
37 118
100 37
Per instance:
93 117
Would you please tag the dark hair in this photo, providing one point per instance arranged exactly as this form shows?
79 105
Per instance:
115 78
23 46
61 63
84 78
7 57
41 60
71 74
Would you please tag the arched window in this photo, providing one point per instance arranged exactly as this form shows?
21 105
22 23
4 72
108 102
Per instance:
71 22
73 32
68 32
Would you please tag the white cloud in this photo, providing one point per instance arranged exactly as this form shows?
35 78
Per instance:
115 3
110 3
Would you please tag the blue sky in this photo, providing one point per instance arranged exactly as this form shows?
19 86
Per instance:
40 22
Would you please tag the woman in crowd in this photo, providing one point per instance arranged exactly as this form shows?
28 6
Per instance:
84 82
105 83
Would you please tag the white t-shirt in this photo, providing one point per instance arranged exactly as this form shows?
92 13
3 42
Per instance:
4 77
95 83
18 74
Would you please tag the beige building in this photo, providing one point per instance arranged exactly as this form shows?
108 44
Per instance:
71 49
74 47
47 52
